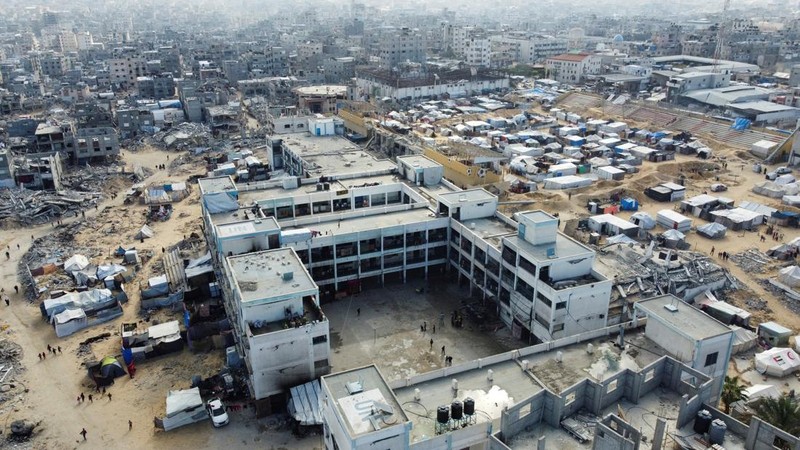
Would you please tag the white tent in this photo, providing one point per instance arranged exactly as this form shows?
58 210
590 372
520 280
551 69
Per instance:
620 239
644 220
145 233
758 391
790 276
791 200
673 235
77 262
777 362
183 408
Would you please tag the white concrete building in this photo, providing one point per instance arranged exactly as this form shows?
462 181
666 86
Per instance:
573 67
273 305
690 335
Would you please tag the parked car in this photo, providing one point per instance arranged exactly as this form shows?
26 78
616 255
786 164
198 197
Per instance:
216 410
771 176
718 187
783 170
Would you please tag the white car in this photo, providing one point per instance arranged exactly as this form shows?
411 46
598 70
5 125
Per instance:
783 170
216 410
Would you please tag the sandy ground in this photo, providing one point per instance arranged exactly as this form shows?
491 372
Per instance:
54 384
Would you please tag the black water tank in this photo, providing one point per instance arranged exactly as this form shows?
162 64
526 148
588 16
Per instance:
456 410
702 421
469 406
443 414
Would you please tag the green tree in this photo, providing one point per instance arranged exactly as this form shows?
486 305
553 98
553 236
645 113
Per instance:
782 412
732 392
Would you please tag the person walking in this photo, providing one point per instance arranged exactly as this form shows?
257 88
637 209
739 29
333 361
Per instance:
59 349
358 312
130 425
83 433
443 350
431 344
83 397
16 289
91 399
109 396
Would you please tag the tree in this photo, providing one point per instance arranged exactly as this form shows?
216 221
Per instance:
782 412
732 392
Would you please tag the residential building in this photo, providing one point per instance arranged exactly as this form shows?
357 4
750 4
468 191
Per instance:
528 49
94 142
125 71
39 172
320 99
131 120
397 46
573 67
156 87
53 138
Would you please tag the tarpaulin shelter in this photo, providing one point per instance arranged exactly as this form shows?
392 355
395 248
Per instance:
758 391
777 362
75 263
644 220
95 299
712 230
790 276
629 204
305 403
145 233
183 408
69 321
105 371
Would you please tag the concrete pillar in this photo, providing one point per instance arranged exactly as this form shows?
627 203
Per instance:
658 436
542 443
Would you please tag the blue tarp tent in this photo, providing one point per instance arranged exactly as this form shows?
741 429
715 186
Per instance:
629 204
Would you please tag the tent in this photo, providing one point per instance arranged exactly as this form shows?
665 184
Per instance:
77 262
781 251
629 204
758 391
670 219
644 220
183 408
673 235
145 233
69 321
743 339
769 189
712 230
790 276
104 372
93 299
218 202
777 362
620 239
791 200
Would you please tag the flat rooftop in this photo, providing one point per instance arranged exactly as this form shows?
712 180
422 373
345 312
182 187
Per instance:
374 389
216 184
564 246
509 384
330 224
418 161
334 155
689 320
490 229
247 227
469 195
260 275
255 196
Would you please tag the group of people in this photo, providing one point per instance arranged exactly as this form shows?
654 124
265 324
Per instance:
50 349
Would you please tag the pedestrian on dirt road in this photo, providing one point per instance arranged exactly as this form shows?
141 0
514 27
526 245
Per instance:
59 349
443 350
109 396
83 433
91 399
17 246
130 425
5 297
8 256
431 344
83 397
16 289
40 356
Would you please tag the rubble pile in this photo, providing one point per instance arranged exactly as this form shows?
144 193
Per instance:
46 253
98 178
38 207
752 260
184 136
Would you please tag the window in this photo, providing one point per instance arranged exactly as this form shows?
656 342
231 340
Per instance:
570 398
561 305
321 364
611 387
524 411
649 375
288 125
319 339
558 327
711 359
544 300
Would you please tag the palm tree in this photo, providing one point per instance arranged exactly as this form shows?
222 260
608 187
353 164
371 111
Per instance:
732 392
782 412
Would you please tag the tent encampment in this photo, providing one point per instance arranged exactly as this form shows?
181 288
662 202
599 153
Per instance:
69 321
790 276
712 230
777 362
